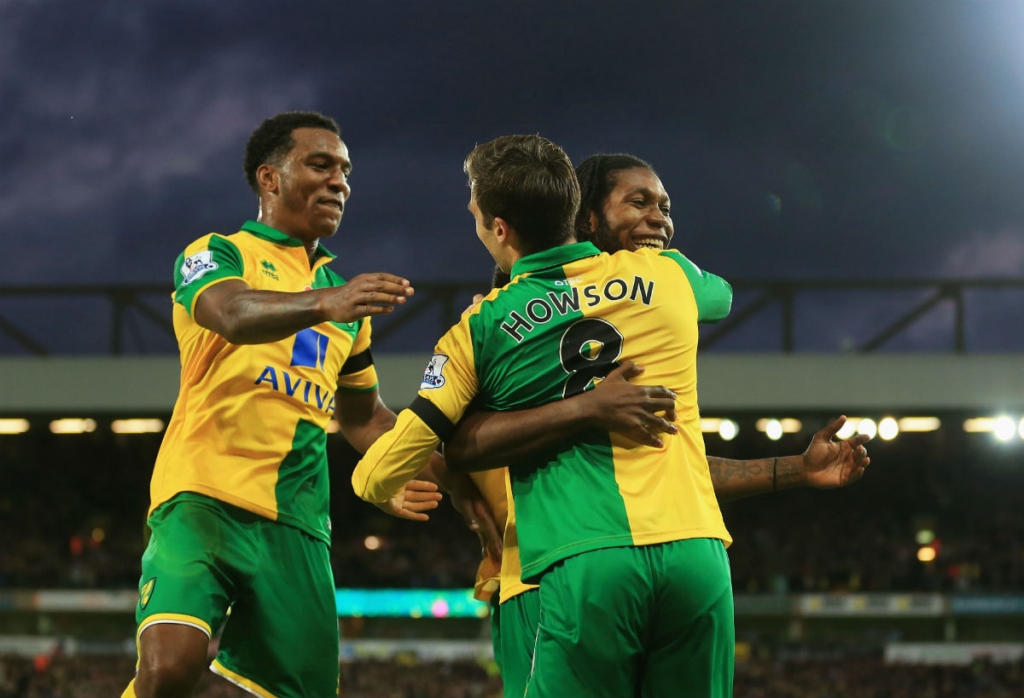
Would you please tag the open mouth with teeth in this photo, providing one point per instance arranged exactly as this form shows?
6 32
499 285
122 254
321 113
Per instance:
649 243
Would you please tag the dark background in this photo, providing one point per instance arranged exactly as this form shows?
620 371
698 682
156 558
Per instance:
799 140
827 139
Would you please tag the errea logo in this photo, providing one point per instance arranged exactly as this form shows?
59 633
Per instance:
269 269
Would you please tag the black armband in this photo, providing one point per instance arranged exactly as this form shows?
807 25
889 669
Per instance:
357 363
433 417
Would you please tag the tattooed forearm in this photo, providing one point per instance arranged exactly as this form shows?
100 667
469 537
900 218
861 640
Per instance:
734 479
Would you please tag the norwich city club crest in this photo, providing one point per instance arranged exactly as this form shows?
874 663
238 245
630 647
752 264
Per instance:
146 593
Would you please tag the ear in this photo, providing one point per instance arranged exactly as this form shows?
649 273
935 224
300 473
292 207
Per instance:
591 224
502 230
268 178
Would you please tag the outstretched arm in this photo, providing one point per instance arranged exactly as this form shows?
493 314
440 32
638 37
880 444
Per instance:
363 419
243 315
485 440
826 464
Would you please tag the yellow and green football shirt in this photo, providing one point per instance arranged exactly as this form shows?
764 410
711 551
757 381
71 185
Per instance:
571 315
249 424
505 573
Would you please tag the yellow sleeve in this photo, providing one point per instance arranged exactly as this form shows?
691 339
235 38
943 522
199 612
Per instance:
395 458
449 385
358 374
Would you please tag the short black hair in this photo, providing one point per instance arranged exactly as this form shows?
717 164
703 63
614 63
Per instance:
528 181
273 139
597 179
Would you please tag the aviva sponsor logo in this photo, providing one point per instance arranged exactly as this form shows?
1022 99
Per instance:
310 350
299 388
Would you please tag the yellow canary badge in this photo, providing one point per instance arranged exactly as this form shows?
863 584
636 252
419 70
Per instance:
146 593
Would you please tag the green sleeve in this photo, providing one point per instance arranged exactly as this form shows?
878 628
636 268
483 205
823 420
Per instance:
201 265
713 293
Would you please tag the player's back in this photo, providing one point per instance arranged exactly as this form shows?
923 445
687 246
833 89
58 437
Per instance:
553 332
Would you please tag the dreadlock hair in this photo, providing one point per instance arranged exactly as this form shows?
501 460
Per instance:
274 138
530 183
500 277
597 179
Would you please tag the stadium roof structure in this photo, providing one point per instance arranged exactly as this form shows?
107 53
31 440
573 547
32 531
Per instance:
940 344
808 382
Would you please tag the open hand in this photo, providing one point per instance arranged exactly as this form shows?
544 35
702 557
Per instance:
418 496
829 464
631 410
469 501
365 295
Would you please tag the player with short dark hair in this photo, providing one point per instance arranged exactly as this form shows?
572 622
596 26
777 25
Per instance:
275 137
487 437
274 344
627 538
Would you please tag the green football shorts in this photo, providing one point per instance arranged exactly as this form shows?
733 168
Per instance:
653 620
210 564
514 632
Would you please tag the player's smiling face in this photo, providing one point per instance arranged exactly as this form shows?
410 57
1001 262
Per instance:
313 185
636 213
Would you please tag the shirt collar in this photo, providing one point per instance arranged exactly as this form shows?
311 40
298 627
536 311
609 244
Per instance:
265 232
553 257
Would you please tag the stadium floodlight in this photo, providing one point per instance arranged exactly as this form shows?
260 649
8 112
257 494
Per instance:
867 427
788 425
73 426
919 423
1020 428
848 429
137 426
888 429
791 426
728 430
772 428
978 425
14 426
926 554
710 425
372 543
1004 428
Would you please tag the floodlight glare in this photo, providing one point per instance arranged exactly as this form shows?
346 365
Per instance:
73 426
710 425
1020 428
728 429
1004 428
791 426
137 426
888 428
926 554
919 423
773 429
867 427
979 425
13 426
849 428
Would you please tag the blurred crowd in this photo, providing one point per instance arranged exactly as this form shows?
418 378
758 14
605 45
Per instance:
867 676
72 515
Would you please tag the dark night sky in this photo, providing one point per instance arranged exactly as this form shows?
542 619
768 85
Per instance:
802 139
